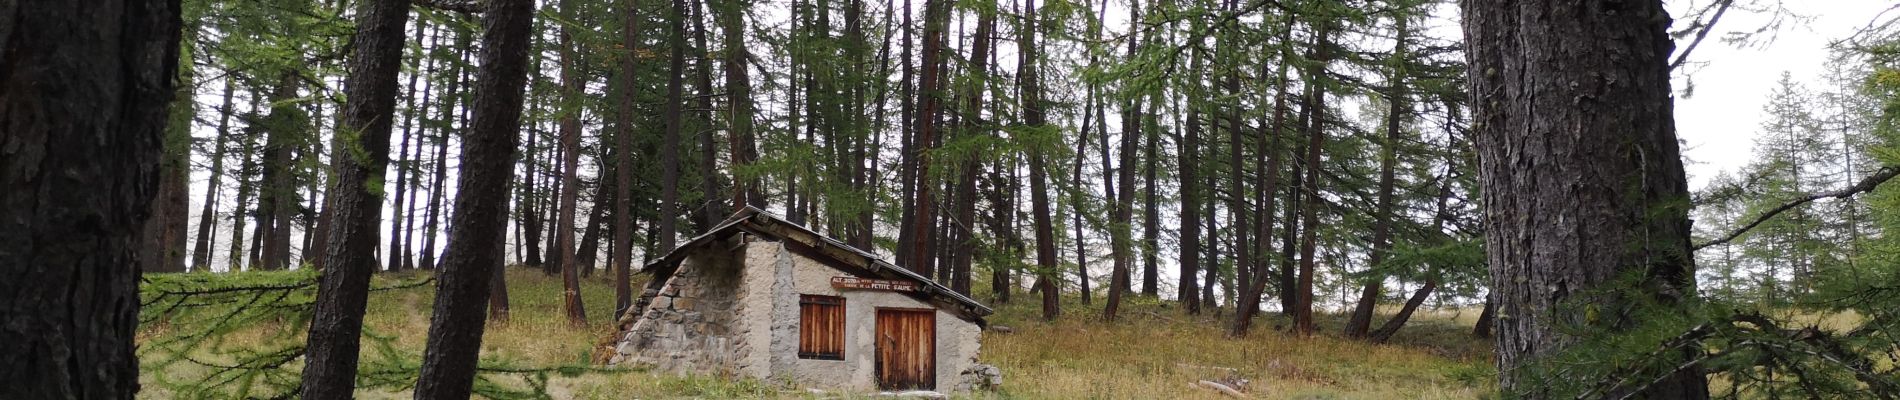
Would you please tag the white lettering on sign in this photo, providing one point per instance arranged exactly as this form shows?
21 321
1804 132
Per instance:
852 282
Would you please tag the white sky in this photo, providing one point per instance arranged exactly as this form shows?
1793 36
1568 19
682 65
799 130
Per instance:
1718 122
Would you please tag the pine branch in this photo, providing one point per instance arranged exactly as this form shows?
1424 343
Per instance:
1866 185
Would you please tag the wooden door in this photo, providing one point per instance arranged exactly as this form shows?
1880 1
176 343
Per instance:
906 349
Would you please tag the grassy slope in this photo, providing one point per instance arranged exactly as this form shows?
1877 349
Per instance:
1077 357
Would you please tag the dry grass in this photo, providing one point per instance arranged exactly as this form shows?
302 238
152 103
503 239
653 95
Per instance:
1140 357
1079 356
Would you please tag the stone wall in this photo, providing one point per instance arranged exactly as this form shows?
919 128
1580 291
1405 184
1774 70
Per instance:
690 328
734 312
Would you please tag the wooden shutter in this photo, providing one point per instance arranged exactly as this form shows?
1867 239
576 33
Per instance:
820 327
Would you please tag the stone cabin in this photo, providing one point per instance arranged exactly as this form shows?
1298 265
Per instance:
760 297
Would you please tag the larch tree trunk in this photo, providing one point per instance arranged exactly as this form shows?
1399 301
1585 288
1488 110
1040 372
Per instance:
570 127
1077 199
1424 292
207 218
1241 280
398 208
1269 156
277 193
163 239
236 259
438 189
622 248
473 258
973 126
343 290
83 104
746 190
1049 281
922 239
1190 165
669 142
1369 293
1582 175
714 209
1309 211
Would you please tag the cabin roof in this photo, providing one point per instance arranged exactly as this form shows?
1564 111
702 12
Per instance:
839 255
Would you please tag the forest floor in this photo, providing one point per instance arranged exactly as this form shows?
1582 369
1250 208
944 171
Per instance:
1153 352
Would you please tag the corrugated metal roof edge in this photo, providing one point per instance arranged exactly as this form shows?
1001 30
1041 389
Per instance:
738 219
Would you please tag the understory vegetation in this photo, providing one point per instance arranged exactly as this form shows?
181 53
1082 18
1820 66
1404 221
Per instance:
1153 352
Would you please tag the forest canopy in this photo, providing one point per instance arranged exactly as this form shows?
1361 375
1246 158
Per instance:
1332 167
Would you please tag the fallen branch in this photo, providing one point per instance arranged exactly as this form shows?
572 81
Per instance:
1224 389
1866 185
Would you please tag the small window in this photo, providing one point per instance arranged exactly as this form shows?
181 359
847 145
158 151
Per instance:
820 327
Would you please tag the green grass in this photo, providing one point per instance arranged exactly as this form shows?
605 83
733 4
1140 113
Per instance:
1139 357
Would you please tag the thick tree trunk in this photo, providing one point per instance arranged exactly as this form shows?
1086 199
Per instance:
922 240
343 290
965 222
669 143
1190 237
471 264
570 127
1242 245
1049 283
746 190
1122 215
713 209
162 242
622 249
1582 175
162 247
84 91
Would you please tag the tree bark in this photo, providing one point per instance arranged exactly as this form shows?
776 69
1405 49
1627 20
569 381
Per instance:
965 222
1582 175
713 210
1190 165
669 143
343 290
83 106
570 127
1049 281
472 261
622 251
923 227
